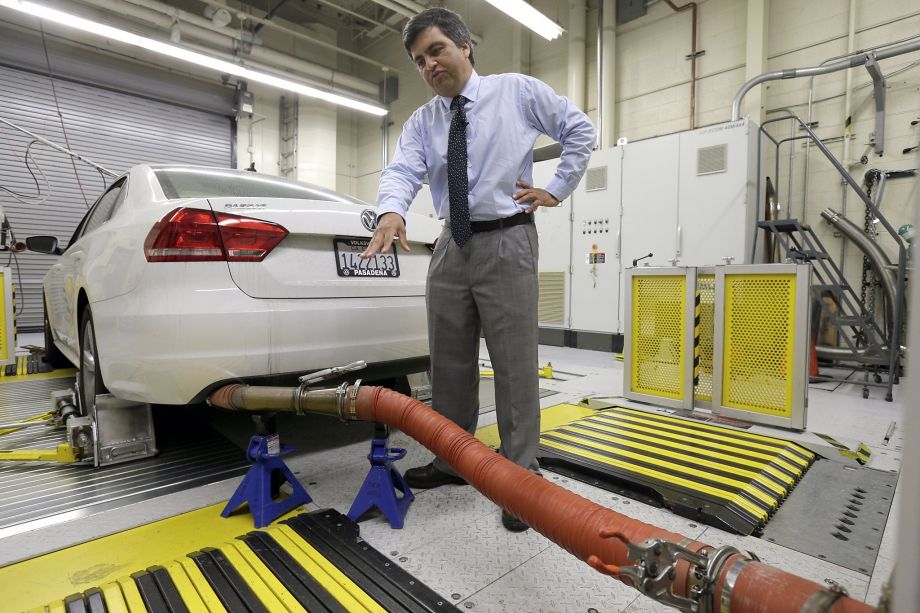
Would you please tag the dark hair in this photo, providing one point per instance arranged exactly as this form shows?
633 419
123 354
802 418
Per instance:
449 22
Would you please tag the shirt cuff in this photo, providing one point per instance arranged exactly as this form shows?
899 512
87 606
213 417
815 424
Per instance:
383 209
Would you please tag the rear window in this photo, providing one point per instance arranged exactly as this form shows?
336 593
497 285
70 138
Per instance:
217 183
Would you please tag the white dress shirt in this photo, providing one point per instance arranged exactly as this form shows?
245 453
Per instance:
506 114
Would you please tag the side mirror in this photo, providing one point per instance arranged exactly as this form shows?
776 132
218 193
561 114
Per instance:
44 244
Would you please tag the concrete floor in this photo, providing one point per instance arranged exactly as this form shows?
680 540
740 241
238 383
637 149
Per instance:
453 539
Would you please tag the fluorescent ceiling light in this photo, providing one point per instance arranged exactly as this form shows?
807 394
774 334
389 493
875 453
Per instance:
185 55
529 16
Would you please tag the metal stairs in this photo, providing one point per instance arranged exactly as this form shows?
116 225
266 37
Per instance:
860 334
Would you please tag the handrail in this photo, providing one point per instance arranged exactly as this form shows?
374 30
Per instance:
894 344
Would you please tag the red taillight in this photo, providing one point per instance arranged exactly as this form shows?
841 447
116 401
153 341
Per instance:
196 235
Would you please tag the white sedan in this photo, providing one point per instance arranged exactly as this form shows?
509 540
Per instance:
181 279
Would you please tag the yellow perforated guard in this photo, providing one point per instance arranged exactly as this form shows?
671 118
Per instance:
730 478
6 347
706 286
657 344
757 371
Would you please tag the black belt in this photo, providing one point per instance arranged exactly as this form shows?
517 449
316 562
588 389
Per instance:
498 224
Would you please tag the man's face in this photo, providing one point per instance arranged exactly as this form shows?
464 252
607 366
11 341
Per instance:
443 65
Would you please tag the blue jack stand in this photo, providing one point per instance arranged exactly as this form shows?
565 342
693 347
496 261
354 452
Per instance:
262 483
382 482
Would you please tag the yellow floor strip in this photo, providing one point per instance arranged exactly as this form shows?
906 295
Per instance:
759 465
675 468
186 589
54 374
114 599
718 493
57 607
711 432
77 568
204 589
767 451
254 580
132 595
266 575
635 424
550 418
343 589
661 449
749 438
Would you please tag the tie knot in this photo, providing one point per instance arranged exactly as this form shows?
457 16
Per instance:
458 102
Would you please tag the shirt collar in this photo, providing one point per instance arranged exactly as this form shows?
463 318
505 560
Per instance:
470 90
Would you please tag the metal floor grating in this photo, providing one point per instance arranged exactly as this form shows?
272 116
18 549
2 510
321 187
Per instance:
37 494
730 479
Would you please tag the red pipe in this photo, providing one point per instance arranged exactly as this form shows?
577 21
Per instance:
692 7
581 527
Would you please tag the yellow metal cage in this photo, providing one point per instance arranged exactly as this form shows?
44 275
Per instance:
761 343
658 353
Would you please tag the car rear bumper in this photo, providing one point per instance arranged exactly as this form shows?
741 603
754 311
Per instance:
170 348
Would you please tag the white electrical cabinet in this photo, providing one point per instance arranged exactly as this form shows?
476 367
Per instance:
554 229
689 199
717 203
596 263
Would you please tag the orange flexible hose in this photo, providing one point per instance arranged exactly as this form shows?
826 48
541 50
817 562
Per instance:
578 525
592 533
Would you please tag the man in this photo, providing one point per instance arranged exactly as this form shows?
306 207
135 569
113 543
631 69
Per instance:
474 141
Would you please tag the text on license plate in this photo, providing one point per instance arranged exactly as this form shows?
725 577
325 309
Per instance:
349 264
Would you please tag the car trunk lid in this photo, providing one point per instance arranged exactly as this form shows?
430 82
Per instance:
318 258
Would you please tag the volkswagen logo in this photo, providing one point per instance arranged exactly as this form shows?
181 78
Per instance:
369 219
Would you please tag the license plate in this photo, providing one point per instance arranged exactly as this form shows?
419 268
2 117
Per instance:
349 264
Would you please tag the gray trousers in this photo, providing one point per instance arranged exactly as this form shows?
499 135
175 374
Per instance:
489 286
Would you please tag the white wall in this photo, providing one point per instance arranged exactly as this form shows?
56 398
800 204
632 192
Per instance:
652 89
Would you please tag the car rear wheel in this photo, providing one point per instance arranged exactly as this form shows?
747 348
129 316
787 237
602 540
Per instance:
90 374
53 355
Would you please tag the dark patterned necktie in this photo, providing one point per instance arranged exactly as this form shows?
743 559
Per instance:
458 189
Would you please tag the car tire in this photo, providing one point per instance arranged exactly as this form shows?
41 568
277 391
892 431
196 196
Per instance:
90 373
53 355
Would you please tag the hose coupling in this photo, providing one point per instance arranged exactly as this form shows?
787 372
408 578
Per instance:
655 571
824 601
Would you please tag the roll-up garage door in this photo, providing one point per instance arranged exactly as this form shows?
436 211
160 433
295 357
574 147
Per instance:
113 129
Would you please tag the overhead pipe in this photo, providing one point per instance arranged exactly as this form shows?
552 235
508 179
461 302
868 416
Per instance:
273 25
692 7
792 73
599 77
606 59
576 58
160 17
664 565
408 9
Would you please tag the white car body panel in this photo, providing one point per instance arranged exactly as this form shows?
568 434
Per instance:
166 331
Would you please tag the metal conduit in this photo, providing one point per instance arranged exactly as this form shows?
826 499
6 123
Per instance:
792 73
157 14
675 570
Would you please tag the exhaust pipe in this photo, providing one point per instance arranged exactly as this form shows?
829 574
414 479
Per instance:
665 566
875 254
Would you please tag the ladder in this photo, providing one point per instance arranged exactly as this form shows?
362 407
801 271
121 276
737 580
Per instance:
860 334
